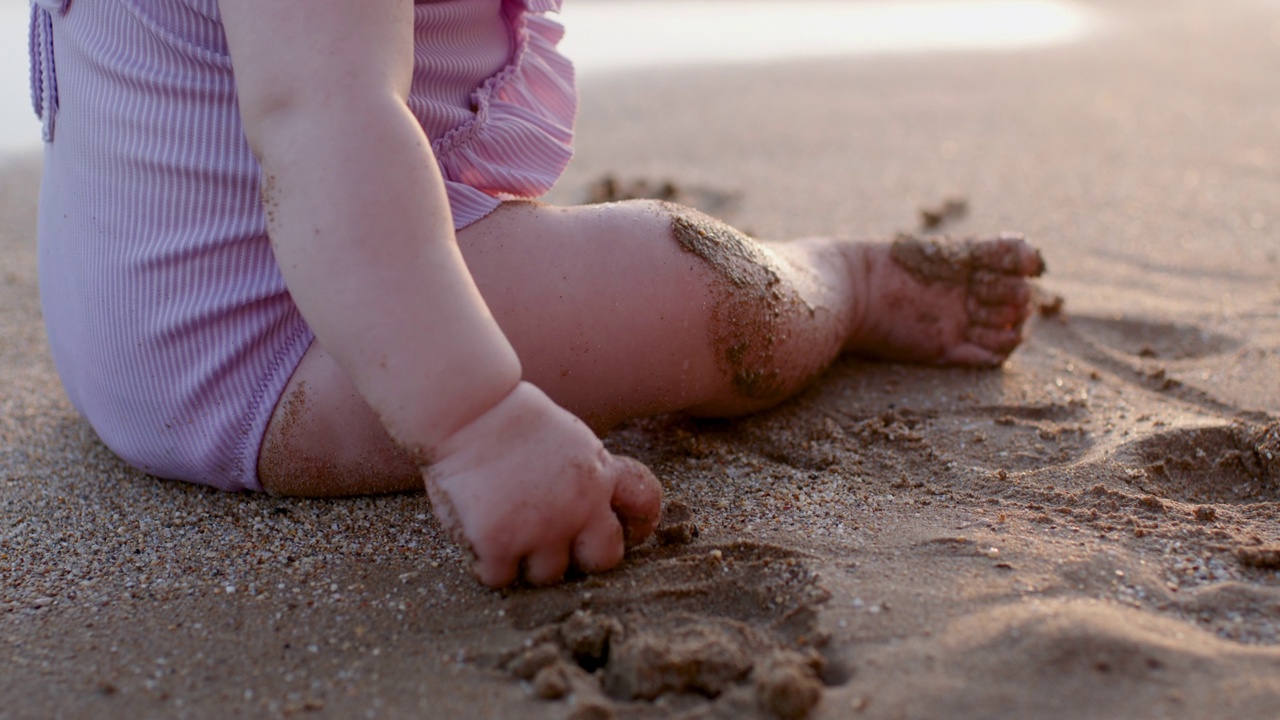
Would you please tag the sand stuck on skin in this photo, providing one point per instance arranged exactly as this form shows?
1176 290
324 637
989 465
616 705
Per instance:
1090 531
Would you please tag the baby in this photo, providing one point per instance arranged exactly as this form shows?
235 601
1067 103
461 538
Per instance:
288 246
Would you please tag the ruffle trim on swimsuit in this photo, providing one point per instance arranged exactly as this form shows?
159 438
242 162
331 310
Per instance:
44 85
520 140
540 6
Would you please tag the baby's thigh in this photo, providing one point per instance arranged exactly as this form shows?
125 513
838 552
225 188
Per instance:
324 440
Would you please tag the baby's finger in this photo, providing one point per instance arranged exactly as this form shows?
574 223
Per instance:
600 544
496 572
637 498
546 566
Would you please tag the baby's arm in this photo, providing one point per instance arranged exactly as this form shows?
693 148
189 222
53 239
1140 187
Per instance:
360 225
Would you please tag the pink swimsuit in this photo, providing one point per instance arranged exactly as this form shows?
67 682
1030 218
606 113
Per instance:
169 323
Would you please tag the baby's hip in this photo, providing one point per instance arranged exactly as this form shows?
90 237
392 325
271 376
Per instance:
175 354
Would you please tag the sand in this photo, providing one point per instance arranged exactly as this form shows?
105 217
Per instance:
1090 531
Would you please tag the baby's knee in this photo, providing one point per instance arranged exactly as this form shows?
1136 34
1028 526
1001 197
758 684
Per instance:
754 305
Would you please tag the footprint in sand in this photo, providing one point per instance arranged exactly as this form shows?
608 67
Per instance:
1082 659
1235 464
687 626
1154 339
1151 354
1015 438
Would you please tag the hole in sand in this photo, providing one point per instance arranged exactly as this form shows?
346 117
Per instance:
680 657
689 624
1238 464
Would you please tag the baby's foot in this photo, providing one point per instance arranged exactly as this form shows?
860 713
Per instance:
941 300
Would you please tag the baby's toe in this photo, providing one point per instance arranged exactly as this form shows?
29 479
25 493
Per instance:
998 340
992 288
1008 254
971 355
998 316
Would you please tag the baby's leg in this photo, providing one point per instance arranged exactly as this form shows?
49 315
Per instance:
631 309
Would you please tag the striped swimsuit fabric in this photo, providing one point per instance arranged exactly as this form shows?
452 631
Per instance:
169 322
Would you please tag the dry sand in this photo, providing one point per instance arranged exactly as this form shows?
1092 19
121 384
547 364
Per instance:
1090 532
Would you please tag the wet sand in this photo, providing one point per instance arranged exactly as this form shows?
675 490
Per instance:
1091 531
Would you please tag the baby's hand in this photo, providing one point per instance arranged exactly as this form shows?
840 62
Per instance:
530 490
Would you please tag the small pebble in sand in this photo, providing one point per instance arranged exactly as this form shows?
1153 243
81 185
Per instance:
677 527
952 208
695 658
528 663
587 637
787 686
1047 304
552 682
1266 557
609 189
592 710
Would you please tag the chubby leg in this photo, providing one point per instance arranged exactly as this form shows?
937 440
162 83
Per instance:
630 309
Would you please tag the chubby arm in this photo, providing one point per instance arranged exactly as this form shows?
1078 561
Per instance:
357 212
360 225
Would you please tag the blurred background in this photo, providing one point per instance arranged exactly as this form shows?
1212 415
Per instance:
18 126
608 36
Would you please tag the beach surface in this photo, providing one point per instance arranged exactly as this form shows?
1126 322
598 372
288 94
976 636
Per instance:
1091 531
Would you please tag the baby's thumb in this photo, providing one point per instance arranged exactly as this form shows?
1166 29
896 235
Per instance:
637 499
